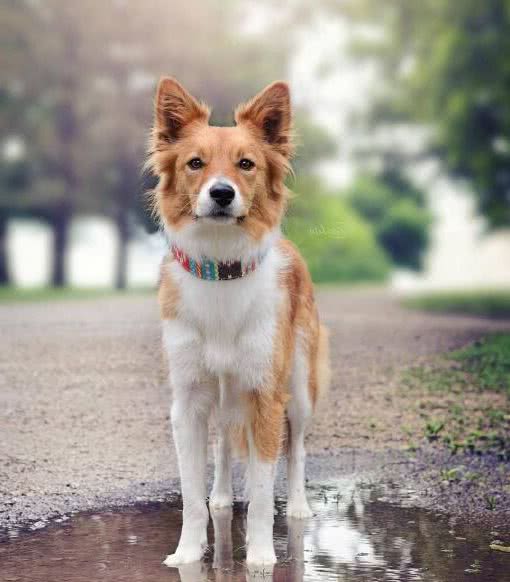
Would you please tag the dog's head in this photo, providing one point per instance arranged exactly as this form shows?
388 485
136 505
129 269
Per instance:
231 177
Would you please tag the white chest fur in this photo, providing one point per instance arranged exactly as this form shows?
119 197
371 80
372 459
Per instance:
225 327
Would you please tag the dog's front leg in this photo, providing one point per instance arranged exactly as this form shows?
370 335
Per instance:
259 534
190 415
264 439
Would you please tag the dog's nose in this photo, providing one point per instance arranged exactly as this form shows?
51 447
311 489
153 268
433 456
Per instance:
222 194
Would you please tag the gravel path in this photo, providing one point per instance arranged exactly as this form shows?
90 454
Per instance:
84 406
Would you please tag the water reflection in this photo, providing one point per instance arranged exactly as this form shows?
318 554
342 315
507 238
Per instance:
355 535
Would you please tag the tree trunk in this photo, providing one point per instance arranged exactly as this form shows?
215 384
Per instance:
4 259
61 225
68 133
123 196
122 253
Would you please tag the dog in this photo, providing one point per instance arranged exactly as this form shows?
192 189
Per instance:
240 325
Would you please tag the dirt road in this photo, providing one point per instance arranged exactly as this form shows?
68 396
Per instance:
84 405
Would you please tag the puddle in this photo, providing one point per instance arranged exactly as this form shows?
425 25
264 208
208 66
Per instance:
355 535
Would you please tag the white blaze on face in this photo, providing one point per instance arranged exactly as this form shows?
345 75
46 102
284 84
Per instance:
206 206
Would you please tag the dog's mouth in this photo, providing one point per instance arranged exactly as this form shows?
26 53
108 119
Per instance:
220 216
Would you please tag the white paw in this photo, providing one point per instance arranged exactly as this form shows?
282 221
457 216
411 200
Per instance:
257 557
220 500
299 510
184 556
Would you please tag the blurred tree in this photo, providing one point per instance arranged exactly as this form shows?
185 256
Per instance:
336 242
46 57
14 177
85 73
313 144
447 64
397 211
214 71
80 78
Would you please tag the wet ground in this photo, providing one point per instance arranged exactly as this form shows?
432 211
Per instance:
355 534
84 426
84 401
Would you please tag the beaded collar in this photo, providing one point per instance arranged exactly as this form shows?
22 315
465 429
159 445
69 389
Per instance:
211 270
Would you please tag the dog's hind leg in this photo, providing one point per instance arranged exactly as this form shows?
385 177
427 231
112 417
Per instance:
222 522
227 413
299 413
221 494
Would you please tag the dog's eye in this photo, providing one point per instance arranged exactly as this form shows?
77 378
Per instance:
196 164
246 164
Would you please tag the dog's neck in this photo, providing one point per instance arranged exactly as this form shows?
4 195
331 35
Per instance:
212 270
221 243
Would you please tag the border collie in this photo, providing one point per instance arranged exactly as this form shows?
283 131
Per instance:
240 324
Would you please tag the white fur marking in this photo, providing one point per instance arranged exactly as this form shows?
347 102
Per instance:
206 205
225 327
224 330
259 533
228 408
222 242
189 424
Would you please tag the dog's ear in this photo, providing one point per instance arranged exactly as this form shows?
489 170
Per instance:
174 109
270 113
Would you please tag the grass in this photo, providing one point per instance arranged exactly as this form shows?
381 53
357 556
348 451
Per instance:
41 294
488 362
494 304
463 398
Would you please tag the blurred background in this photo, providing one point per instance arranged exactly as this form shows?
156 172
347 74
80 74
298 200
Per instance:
402 109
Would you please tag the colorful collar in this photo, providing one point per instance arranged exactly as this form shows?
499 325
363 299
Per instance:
212 270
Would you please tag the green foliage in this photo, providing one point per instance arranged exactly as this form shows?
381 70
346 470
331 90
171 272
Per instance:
433 428
458 386
337 244
487 303
396 210
489 361
9 294
403 233
313 144
447 63
491 504
484 365
451 475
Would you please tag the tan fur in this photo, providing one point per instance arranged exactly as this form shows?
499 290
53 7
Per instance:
298 315
263 134
267 407
168 292
183 133
304 317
